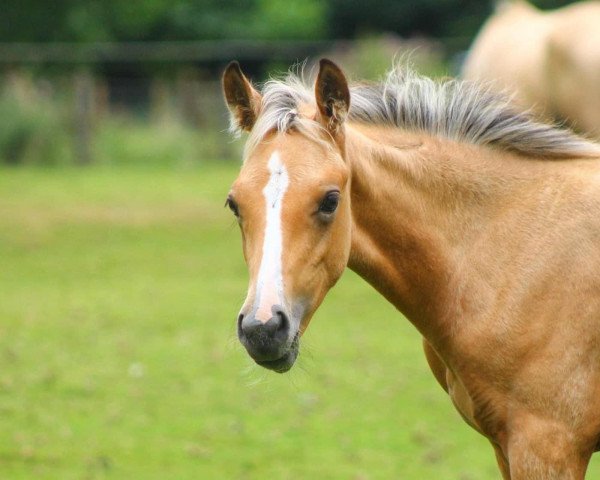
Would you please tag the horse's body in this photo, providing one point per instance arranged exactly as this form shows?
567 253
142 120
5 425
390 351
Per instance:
492 252
550 60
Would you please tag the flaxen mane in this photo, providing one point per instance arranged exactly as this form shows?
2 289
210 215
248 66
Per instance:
452 109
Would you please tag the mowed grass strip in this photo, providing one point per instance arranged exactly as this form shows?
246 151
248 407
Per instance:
119 290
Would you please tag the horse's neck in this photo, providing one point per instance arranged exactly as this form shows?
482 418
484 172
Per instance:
417 205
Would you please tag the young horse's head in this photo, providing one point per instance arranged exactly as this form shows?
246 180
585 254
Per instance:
292 203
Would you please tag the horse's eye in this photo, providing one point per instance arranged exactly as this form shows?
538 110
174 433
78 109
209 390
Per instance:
230 202
329 203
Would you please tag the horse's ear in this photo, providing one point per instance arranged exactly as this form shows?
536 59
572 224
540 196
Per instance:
242 99
332 95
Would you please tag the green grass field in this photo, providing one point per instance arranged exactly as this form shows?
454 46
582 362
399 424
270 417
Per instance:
119 290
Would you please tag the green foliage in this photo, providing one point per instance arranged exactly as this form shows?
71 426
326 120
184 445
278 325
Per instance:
38 125
33 128
118 20
246 19
372 56
282 19
130 141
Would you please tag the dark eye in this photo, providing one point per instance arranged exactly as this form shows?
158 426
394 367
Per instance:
230 202
329 203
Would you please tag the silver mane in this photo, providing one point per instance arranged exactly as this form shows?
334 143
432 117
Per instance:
453 109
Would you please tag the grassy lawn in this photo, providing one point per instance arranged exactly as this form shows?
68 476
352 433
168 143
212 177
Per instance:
118 359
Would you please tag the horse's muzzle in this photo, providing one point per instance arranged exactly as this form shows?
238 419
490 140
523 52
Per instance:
271 344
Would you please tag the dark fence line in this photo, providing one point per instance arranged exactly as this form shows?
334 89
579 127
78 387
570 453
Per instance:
203 51
177 52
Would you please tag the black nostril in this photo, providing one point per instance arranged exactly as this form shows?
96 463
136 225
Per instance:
276 328
278 325
283 322
239 323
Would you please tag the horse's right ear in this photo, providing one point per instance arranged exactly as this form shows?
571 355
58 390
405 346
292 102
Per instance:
242 99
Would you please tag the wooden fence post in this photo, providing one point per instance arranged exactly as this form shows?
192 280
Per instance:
84 112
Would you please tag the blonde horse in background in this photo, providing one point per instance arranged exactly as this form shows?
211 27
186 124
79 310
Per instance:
550 60
480 225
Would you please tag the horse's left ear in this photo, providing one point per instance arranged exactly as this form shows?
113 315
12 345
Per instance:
242 99
332 95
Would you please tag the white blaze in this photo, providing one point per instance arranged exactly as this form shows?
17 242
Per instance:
269 283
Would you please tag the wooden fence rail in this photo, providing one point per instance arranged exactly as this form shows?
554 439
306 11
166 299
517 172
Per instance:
178 52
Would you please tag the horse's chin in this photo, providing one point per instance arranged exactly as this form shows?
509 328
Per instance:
284 363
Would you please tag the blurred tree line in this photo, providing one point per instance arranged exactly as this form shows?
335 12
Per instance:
161 113
171 20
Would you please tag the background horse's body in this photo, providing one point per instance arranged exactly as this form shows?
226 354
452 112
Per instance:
550 60
481 226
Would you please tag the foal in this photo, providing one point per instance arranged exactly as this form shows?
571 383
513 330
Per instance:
481 226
